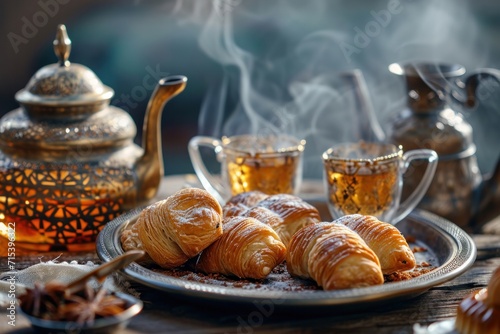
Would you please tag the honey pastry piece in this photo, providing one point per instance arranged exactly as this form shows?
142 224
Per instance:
334 256
233 210
479 313
295 212
270 218
249 198
247 249
242 202
384 239
265 216
180 227
130 240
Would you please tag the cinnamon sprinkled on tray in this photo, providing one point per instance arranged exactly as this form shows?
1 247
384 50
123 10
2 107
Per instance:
419 249
406 275
410 239
278 280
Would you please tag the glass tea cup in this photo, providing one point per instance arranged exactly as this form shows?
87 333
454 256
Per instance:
271 164
367 178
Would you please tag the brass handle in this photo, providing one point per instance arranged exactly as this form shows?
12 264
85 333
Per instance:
473 81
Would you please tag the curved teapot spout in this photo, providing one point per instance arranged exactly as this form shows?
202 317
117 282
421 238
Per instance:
149 167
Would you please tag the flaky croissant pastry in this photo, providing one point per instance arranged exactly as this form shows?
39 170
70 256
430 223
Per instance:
130 241
294 212
240 203
249 198
285 213
334 256
178 228
247 249
267 217
384 239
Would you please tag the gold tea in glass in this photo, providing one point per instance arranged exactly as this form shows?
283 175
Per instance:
269 174
366 194
271 164
366 178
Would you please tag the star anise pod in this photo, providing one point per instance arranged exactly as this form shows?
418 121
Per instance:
77 300
42 300
52 302
85 309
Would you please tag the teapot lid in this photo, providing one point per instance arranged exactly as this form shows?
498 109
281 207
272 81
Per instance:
65 107
64 90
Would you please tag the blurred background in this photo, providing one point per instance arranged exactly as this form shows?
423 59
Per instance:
273 60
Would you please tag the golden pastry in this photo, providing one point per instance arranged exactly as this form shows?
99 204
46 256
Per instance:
334 256
384 239
268 217
247 249
233 210
294 212
238 204
180 227
249 198
479 313
130 240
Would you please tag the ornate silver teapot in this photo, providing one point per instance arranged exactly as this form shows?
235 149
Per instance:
68 164
459 192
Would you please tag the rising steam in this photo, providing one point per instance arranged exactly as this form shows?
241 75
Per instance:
283 62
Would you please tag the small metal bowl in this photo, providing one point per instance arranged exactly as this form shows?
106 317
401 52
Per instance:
101 325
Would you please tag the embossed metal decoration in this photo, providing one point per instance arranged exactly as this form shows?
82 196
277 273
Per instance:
68 163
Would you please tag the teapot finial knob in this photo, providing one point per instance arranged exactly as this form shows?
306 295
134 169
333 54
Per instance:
62 45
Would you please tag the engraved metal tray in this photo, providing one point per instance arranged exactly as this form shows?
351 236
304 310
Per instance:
451 250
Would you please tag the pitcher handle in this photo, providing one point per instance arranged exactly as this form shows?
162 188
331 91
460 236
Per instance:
207 179
474 79
416 196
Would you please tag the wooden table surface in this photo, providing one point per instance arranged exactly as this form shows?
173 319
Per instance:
163 313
